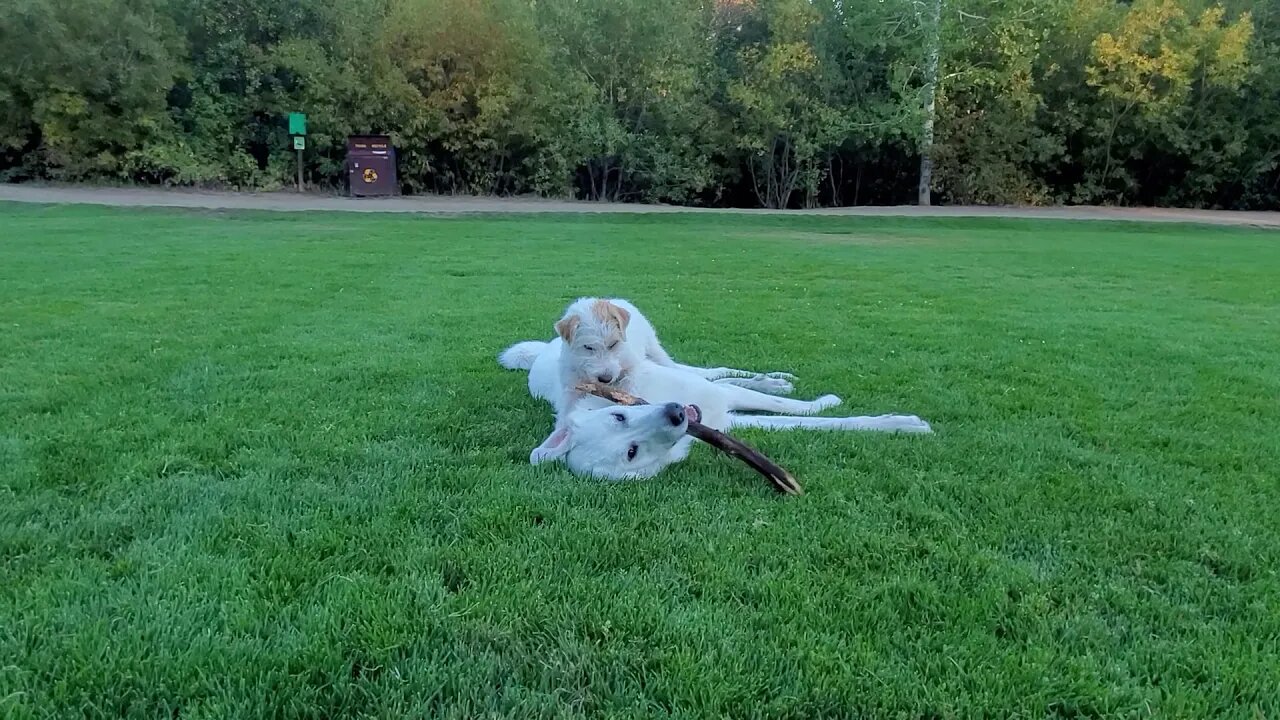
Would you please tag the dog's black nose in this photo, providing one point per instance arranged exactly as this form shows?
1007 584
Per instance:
674 413
605 378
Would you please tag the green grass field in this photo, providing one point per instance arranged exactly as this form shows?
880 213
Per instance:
265 465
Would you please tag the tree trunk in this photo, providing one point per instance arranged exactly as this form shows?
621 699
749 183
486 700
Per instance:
836 179
755 182
934 31
604 181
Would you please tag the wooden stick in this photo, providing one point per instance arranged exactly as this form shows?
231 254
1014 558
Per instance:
782 480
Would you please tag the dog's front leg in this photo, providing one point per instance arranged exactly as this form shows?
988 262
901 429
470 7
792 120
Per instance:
740 398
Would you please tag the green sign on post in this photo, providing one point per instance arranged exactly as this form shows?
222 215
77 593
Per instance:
298 128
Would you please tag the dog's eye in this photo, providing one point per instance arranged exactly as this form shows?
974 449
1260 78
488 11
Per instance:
613 345
589 348
619 417
631 451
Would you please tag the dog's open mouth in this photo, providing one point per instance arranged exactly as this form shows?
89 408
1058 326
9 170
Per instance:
692 413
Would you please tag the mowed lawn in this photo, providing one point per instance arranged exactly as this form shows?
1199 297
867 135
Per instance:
266 465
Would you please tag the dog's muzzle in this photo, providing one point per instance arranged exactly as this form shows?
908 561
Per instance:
674 413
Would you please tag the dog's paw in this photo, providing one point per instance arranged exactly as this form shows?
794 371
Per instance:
823 403
911 424
772 385
781 376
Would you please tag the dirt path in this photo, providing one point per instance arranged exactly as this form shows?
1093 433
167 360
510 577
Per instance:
287 201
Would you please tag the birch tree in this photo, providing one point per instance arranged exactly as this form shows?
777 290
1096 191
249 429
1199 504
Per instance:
929 16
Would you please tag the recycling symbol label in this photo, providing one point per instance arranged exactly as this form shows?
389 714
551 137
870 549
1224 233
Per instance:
370 175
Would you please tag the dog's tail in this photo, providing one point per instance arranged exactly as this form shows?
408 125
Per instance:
521 355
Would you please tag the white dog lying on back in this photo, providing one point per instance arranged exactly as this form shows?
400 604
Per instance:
596 437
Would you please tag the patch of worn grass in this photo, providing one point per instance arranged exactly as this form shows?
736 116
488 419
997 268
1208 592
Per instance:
843 235
257 465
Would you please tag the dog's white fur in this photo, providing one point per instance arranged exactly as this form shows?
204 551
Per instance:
605 337
603 340
596 437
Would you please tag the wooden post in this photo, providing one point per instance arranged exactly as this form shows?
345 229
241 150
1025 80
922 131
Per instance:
298 129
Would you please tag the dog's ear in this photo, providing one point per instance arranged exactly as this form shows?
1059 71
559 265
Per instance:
620 316
553 448
607 312
566 326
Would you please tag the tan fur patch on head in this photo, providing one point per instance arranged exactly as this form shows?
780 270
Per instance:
607 312
566 326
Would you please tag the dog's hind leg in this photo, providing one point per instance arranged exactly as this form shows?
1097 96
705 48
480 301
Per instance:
760 383
720 373
882 423
741 398
654 351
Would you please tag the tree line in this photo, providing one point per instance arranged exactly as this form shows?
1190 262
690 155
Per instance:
775 103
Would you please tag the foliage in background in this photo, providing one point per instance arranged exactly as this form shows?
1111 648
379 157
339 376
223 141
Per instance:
780 103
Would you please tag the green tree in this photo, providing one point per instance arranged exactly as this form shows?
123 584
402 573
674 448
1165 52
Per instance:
1148 74
780 103
631 86
1255 181
784 124
255 61
868 54
990 144
464 76
83 85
